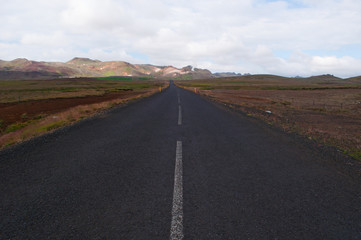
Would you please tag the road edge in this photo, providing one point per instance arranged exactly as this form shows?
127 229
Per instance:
329 155
48 136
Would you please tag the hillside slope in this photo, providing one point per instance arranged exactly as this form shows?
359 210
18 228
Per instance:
85 67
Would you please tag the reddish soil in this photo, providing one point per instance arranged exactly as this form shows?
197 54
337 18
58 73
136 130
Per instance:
12 112
332 116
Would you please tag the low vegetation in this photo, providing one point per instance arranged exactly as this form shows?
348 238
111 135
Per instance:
60 103
18 91
112 78
324 109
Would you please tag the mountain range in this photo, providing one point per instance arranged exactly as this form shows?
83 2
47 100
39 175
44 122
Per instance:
22 69
84 67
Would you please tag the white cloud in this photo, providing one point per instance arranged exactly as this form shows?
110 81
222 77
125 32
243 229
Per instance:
99 53
93 15
242 36
49 39
332 64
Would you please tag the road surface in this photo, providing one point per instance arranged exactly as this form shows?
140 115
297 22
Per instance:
174 166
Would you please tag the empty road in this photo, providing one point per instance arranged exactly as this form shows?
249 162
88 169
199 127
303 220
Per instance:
174 166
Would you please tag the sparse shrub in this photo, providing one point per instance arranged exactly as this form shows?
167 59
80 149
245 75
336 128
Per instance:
70 118
51 126
112 104
14 127
285 103
318 109
356 155
208 88
24 116
40 116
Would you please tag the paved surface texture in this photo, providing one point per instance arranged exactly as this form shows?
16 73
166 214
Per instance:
112 177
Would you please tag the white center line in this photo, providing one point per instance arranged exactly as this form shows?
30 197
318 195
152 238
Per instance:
176 230
179 115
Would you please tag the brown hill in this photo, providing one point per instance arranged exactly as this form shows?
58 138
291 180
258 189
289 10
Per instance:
85 67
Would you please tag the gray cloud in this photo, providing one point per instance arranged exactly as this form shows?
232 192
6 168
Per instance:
244 36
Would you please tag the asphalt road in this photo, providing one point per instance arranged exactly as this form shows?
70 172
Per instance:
174 166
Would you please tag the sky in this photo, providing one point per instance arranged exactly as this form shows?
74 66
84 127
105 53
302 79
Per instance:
283 37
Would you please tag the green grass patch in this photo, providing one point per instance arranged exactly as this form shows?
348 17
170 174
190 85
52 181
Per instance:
128 70
119 78
51 126
24 116
207 88
109 73
19 91
55 89
113 78
355 154
40 116
285 103
184 77
137 85
199 85
318 109
15 126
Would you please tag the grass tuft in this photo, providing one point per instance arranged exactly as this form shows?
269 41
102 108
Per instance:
15 126
356 155
24 116
51 126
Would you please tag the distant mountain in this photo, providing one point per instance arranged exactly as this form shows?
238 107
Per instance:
227 74
320 79
85 67
325 77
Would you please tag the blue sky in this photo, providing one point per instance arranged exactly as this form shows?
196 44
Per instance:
352 50
284 37
290 3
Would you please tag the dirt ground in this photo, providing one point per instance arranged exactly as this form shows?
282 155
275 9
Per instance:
22 111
